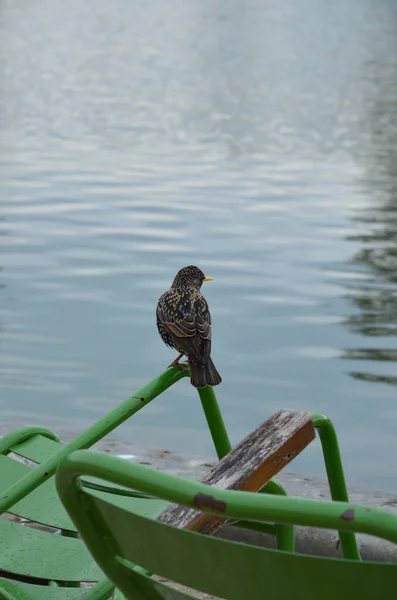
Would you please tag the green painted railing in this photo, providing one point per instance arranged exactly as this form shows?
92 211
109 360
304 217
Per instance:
88 438
336 477
216 425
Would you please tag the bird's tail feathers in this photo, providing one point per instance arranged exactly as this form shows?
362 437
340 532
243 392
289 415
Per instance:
202 375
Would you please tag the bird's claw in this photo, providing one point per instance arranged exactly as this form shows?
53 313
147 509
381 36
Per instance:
182 367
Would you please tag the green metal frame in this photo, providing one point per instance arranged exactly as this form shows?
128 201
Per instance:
48 462
88 438
21 435
336 477
111 421
18 441
333 463
46 469
120 540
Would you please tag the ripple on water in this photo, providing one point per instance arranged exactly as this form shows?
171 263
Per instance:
119 167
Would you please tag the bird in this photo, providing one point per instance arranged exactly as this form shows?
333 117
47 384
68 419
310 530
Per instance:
184 323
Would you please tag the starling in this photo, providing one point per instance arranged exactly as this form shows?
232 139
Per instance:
184 323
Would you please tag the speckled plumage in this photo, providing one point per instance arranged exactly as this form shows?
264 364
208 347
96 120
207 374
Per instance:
184 323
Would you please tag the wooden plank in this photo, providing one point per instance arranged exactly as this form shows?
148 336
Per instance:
249 466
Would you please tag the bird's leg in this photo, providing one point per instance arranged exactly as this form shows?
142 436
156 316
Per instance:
176 363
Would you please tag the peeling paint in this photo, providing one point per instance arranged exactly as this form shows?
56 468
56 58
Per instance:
348 515
205 501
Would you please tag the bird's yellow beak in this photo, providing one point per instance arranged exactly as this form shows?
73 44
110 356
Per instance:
207 278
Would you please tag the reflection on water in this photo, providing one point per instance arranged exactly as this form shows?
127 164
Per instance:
376 295
257 140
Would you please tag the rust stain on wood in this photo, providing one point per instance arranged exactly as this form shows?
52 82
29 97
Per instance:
204 501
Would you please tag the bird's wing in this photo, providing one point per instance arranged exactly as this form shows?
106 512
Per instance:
180 327
204 329
190 331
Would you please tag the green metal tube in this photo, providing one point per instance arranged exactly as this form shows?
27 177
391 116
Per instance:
235 505
336 477
215 421
269 528
6 596
90 436
21 435
284 533
116 596
220 436
101 590
274 487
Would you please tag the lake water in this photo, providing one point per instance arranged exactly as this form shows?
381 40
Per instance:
255 139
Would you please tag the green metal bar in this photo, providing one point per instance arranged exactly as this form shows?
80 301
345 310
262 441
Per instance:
103 589
235 505
269 528
89 437
285 534
115 491
67 533
215 421
118 595
336 477
21 435
5 595
274 487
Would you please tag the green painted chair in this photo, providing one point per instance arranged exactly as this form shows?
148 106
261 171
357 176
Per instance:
39 561
33 564
149 560
37 566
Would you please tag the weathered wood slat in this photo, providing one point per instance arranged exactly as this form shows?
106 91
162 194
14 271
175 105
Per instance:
249 466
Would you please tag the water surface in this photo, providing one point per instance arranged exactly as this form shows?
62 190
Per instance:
254 139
